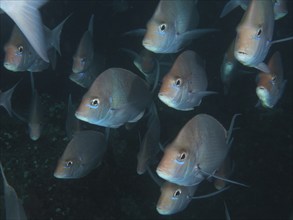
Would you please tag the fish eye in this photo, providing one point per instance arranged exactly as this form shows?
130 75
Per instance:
178 82
177 193
69 163
259 32
181 157
20 49
163 27
95 102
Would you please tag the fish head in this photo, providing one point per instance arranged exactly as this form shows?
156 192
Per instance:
159 36
13 57
69 168
266 89
173 199
34 131
175 165
79 64
249 43
92 109
172 89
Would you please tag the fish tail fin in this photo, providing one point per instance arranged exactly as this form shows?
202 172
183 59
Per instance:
91 25
53 59
28 18
229 138
55 35
6 99
231 5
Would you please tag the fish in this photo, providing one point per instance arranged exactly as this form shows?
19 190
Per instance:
254 35
280 7
83 153
84 54
72 123
27 17
117 96
150 145
199 149
86 77
185 85
172 26
174 198
20 55
35 117
13 205
5 99
270 87
229 67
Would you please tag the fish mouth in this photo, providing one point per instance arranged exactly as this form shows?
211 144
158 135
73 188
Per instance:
79 116
163 211
10 66
165 99
164 175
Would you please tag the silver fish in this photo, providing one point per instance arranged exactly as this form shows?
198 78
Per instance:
84 54
172 26
280 7
185 85
5 99
35 117
72 123
27 17
83 154
270 87
13 206
174 198
20 55
200 148
254 35
150 145
116 97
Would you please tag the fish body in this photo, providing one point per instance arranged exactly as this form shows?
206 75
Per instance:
174 198
35 117
150 145
271 85
13 206
171 26
185 85
27 17
21 56
117 96
83 153
280 7
200 145
254 35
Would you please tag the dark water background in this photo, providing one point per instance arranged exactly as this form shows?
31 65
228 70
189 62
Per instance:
262 148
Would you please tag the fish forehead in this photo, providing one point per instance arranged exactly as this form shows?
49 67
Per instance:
92 141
